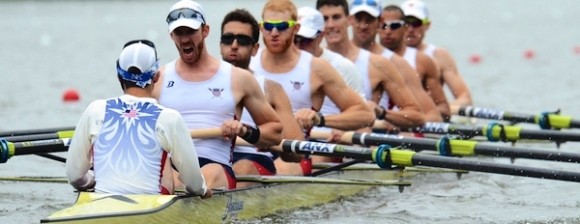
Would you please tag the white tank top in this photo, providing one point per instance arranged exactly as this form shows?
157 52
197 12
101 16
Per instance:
411 56
296 82
387 53
205 104
362 63
247 119
430 50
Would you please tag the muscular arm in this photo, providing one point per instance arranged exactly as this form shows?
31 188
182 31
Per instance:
355 114
433 84
278 98
409 113
255 102
453 78
413 81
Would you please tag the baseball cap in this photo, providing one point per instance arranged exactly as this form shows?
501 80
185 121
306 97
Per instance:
415 8
185 13
372 7
311 22
142 55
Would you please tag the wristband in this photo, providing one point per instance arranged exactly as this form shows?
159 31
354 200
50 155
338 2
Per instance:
252 134
321 117
383 114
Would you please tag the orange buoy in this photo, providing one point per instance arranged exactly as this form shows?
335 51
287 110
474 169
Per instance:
70 95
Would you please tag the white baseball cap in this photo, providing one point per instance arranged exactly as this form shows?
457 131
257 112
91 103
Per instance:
185 13
142 55
372 7
415 8
311 22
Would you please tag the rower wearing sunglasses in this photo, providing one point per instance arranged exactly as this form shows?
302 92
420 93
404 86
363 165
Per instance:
210 93
240 33
378 74
417 17
128 139
364 36
393 36
306 79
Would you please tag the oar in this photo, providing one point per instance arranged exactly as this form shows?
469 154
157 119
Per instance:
4 134
545 120
318 180
385 157
449 147
34 137
497 132
44 179
9 149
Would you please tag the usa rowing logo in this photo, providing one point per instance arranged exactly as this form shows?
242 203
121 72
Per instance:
216 92
297 85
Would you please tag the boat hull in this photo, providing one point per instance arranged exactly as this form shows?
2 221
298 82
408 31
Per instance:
227 206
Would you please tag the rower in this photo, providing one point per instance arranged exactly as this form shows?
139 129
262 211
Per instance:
209 93
306 79
128 139
309 38
418 21
379 74
368 12
240 34
394 39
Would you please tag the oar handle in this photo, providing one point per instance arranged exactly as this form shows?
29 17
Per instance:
206 133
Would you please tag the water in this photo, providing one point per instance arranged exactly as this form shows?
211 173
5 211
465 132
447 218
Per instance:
50 46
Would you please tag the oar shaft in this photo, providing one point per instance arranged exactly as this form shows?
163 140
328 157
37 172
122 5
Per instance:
488 167
41 146
36 137
34 131
409 158
509 152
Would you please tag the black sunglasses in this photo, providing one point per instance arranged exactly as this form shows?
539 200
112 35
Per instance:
415 23
394 25
301 41
185 13
244 40
143 41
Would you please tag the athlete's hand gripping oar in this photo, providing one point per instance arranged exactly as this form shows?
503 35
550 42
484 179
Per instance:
545 120
9 149
385 157
496 132
452 147
4 134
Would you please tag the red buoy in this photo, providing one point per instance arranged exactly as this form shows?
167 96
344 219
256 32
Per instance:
475 59
70 95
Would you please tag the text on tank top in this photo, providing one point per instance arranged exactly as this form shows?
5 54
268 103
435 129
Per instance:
247 119
127 155
296 82
205 104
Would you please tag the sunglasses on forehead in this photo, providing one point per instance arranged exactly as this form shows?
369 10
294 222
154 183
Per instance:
143 41
393 25
243 40
184 13
278 24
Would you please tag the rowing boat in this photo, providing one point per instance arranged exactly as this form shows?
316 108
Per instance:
226 206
